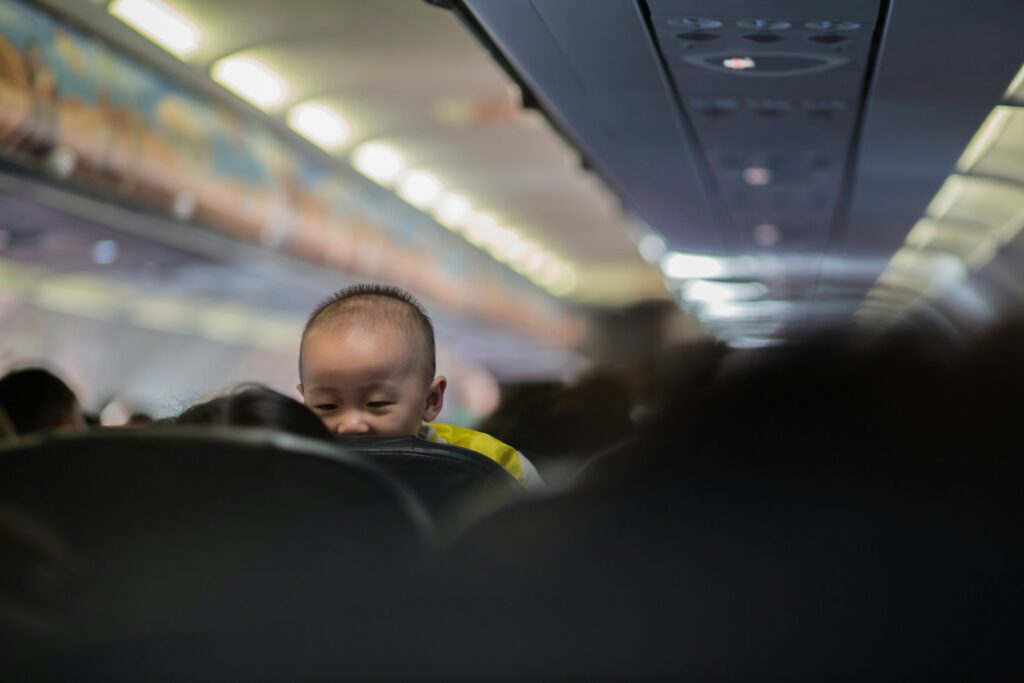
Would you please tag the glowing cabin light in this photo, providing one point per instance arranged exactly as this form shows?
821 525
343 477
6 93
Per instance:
419 188
164 25
946 197
105 252
551 273
705 291
536 261
731 310
556 277
378 162
739 63
757 176
480 228
723 310
319 124
80 296
452 209
682 266
988 134
252 80
652 247
505 243
516 249
565 283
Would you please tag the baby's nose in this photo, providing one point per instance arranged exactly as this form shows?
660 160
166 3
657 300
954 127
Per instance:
352 424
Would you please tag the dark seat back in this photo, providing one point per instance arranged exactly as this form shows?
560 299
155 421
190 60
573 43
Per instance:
126 532
457 485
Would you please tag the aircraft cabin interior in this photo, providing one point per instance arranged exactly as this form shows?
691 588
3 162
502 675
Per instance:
415 340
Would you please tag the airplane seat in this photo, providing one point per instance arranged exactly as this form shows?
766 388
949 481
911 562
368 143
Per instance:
458 486
115 533
788 575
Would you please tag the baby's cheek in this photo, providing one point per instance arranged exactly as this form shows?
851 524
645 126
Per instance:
389 425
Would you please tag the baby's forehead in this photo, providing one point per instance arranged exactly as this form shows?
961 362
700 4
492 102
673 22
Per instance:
343 327
378 342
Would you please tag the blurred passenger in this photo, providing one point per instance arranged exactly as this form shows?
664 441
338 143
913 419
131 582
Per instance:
517 400
34 400
257 406
790 520
139 420
366 366
992 377
561 426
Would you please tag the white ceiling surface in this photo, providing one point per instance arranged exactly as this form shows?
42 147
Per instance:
410 74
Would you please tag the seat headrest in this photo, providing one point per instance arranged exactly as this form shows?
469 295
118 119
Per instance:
179 523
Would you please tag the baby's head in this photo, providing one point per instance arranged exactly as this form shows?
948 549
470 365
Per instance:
366 363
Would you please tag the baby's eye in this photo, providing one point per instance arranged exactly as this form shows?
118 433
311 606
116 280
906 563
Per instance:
325 407
377 405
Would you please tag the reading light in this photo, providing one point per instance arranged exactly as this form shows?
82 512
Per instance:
162 24
739 63
480 228
757 176
452 209
251 79
378 162
319 124
516 249
419 188
508 247
536 261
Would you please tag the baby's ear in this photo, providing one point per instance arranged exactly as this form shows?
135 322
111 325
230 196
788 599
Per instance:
435 399
298 388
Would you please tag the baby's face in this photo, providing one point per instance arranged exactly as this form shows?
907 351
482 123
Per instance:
367 380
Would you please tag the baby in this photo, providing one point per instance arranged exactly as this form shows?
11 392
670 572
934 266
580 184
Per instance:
366 366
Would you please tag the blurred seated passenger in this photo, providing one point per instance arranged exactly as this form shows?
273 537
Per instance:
561 426
992 378
517 400
366 366
138 420
34 400
786 521
257 406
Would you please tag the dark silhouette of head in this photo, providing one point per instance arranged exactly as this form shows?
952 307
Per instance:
257 406
35 399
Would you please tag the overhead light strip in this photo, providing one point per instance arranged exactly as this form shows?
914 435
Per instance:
259 84
161 23
252 80
388 167
938 253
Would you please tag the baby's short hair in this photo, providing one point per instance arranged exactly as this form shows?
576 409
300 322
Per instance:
373 304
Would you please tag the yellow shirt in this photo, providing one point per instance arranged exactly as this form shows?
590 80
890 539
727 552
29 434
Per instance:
514 462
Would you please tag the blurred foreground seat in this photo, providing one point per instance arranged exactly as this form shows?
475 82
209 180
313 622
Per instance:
458 486
114 535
